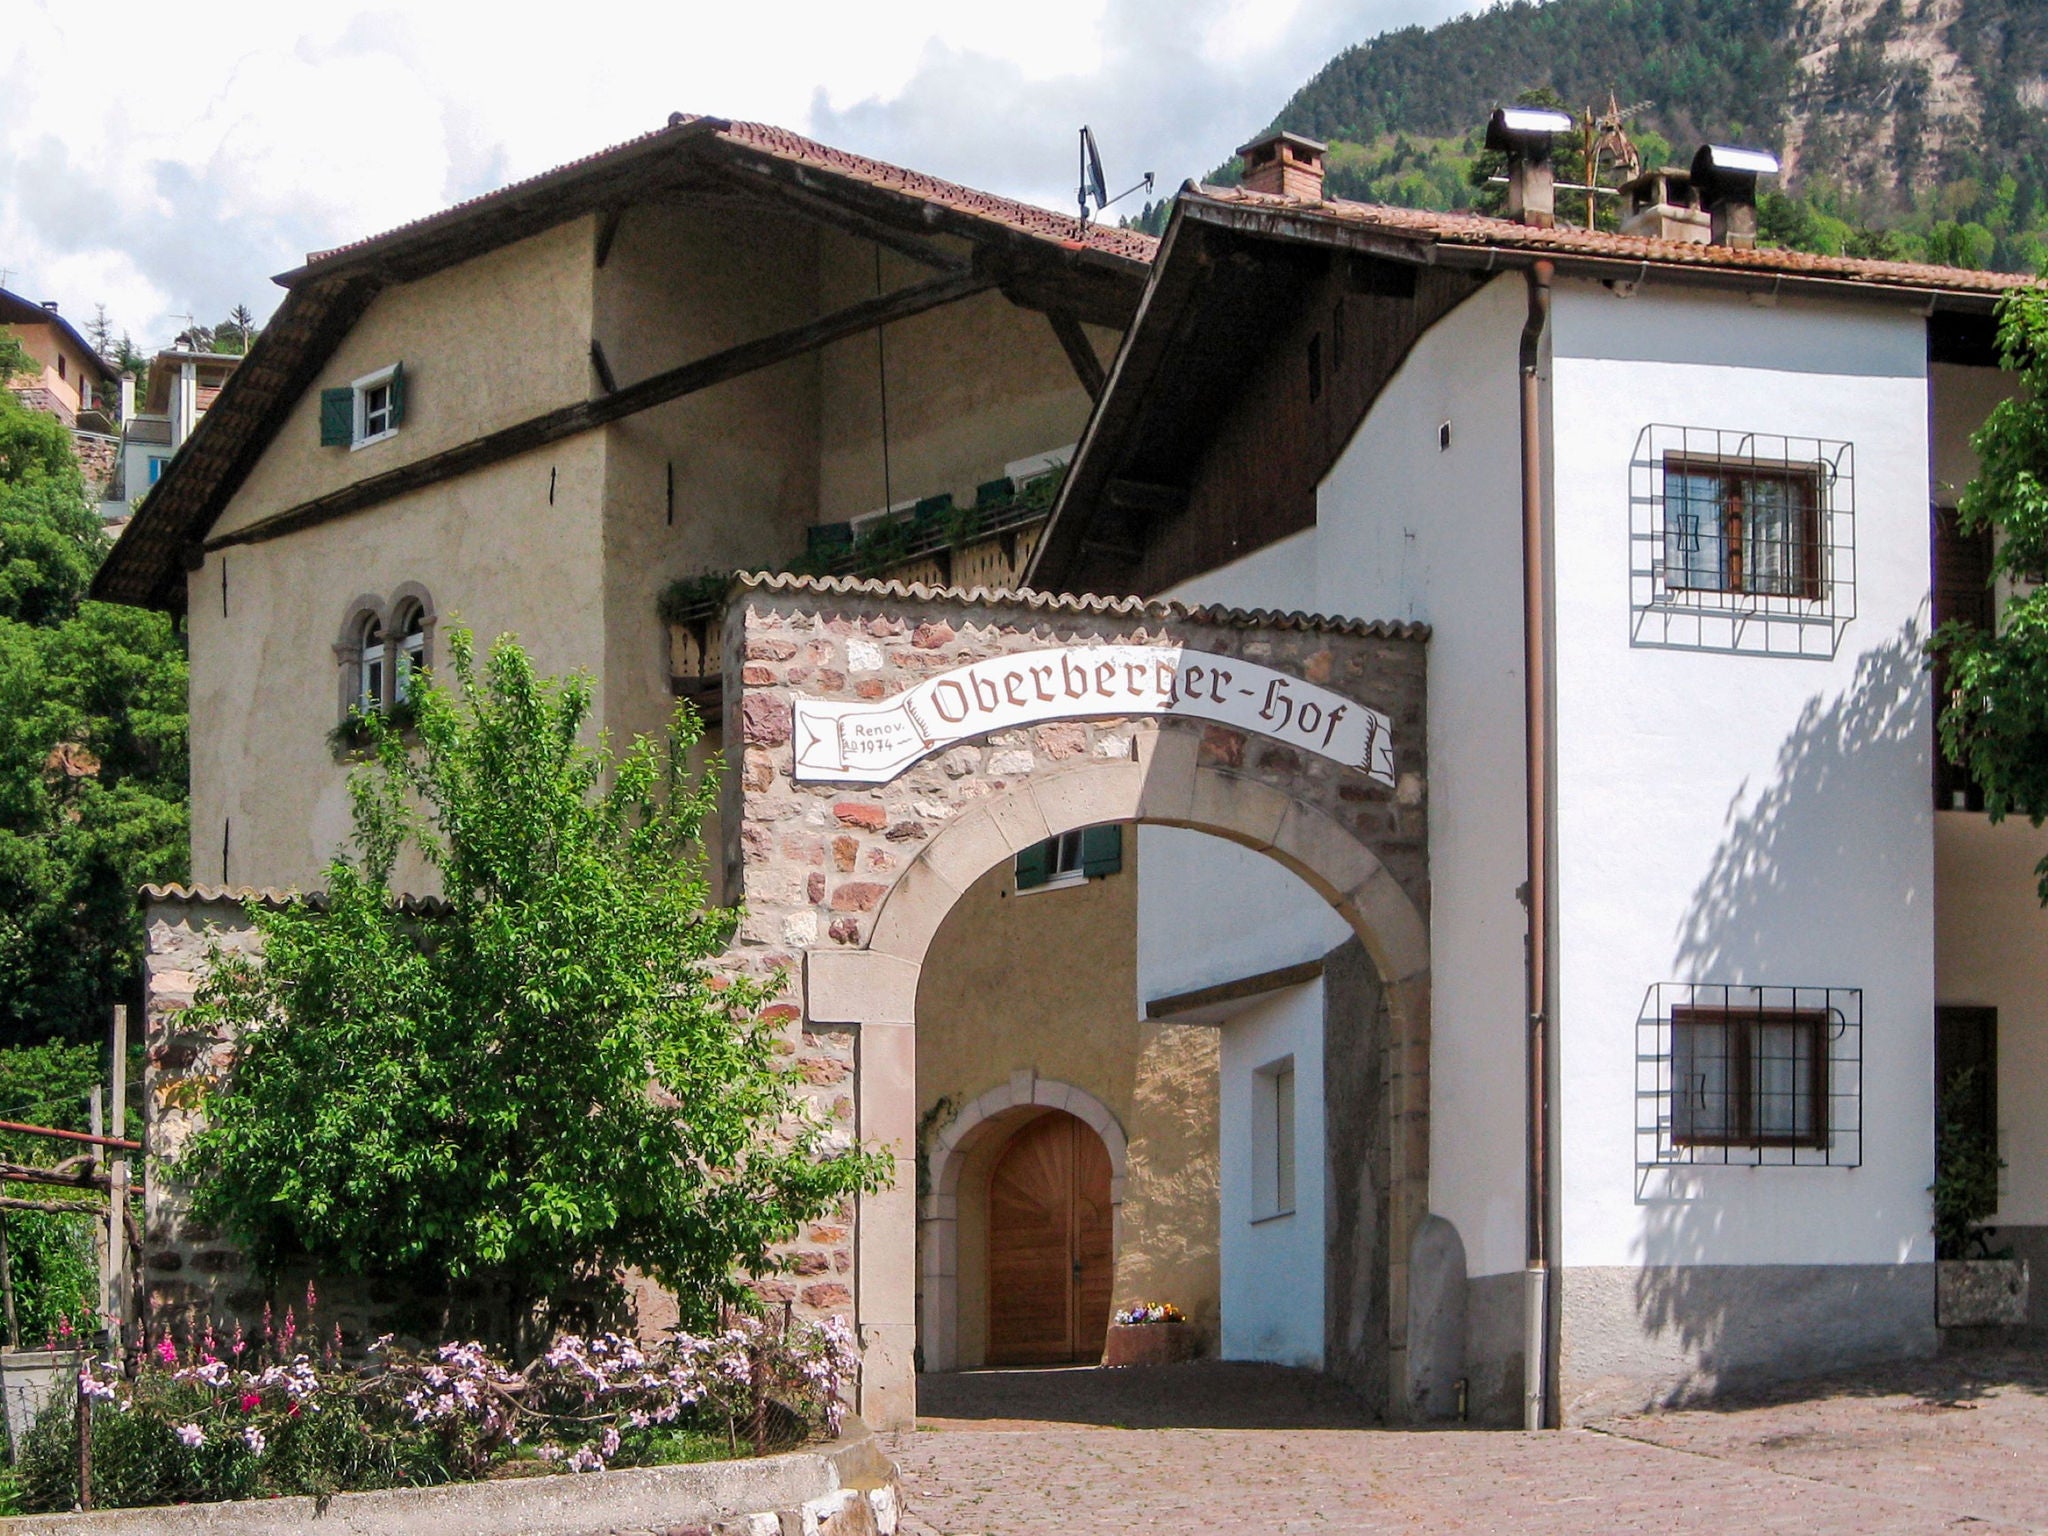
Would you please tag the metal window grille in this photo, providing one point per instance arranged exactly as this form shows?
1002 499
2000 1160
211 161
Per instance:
1749 1076
1741 541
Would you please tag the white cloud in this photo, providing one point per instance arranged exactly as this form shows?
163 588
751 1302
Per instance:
166 160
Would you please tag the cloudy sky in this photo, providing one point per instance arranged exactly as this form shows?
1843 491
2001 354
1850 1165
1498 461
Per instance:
164 160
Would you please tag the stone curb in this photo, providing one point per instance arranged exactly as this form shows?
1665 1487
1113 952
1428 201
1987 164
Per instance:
845 1488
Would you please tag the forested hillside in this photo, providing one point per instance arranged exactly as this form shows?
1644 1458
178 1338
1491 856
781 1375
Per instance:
1907 127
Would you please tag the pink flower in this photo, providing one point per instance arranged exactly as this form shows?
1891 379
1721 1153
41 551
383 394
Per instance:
251 1401
166 1351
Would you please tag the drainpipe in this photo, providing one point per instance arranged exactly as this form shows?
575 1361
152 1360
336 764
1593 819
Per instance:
1536 730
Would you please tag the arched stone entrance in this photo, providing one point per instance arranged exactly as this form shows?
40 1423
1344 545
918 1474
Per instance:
850 880
986 1120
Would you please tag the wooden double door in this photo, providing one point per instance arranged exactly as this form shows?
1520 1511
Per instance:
1051 1245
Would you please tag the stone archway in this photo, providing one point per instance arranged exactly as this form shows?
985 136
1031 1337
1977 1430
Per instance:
850 879
989 1116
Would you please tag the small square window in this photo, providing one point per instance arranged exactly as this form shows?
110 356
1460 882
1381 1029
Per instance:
1071 858
375 406
1749 1078
1742 528
157 464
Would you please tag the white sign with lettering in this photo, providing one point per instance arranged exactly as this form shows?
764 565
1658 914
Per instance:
873 743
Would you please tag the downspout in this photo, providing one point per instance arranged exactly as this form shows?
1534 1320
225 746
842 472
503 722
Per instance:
1536 732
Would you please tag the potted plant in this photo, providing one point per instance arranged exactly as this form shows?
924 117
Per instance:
1151 1333
1975 1286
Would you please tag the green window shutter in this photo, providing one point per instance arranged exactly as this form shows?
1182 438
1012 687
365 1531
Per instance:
1034 865
398 395
337 417
1102 850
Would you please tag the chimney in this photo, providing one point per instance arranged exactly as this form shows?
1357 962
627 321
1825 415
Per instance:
1283 164
127 397
1661 204
1725 178
1524 135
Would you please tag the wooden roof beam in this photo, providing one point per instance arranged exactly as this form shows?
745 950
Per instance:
1080 351
786 192
567 421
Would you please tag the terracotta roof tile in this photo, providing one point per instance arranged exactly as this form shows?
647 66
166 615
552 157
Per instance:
1472 229
1080 603
1026 218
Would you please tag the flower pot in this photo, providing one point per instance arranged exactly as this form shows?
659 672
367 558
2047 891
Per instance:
1980 1293
1148 1344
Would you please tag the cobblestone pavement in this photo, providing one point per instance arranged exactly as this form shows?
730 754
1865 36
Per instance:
1960 1443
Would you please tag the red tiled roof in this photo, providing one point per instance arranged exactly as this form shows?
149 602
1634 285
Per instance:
1025 218
1477 230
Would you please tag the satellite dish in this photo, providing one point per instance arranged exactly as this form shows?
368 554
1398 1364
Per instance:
1092 182
1091 169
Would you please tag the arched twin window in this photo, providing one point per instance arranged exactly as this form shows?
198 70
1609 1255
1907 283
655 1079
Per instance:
384 646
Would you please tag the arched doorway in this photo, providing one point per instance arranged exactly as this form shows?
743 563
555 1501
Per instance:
854 824
1051 1245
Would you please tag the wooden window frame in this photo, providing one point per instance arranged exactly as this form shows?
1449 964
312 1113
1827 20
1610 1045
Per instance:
1741 1023
385 379
1811 476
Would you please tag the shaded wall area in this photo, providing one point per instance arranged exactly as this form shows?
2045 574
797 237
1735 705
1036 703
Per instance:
1042 984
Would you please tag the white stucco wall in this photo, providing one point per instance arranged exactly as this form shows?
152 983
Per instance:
1272 1265
1406 530
1410 530
1210 911
1745 819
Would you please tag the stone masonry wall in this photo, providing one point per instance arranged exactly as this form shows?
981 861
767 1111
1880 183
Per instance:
817 862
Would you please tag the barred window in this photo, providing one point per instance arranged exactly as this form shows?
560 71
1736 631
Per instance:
1743 1078
1741 541
1742 528
1749 1075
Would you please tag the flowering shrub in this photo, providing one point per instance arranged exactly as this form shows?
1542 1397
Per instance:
222 1419
1151 1312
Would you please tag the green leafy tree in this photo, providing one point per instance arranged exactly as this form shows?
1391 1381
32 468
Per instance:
1995 723
92 750
544 1085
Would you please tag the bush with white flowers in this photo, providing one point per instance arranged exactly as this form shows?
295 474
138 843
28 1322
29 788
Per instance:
222 1418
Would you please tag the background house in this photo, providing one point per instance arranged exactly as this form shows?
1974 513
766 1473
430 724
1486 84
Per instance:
72 382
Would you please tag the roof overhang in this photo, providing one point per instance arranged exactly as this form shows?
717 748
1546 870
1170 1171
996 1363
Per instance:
1143 407
1040 259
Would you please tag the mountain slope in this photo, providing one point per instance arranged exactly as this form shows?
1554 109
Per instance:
1906 127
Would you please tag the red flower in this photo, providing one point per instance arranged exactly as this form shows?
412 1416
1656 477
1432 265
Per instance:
251 1402
292 1412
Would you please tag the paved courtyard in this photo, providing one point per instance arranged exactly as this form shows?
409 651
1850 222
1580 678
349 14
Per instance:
1959 1443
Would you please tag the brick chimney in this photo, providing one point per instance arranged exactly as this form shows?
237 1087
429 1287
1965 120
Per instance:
1524 135
1725 178
1284 164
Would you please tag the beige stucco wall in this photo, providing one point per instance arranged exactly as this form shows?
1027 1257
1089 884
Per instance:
971 386
265 685
45 343
1991 949
683 282
506 336
1046 981
485 344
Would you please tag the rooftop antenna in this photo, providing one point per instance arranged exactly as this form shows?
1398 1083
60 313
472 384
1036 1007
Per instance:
1093 186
